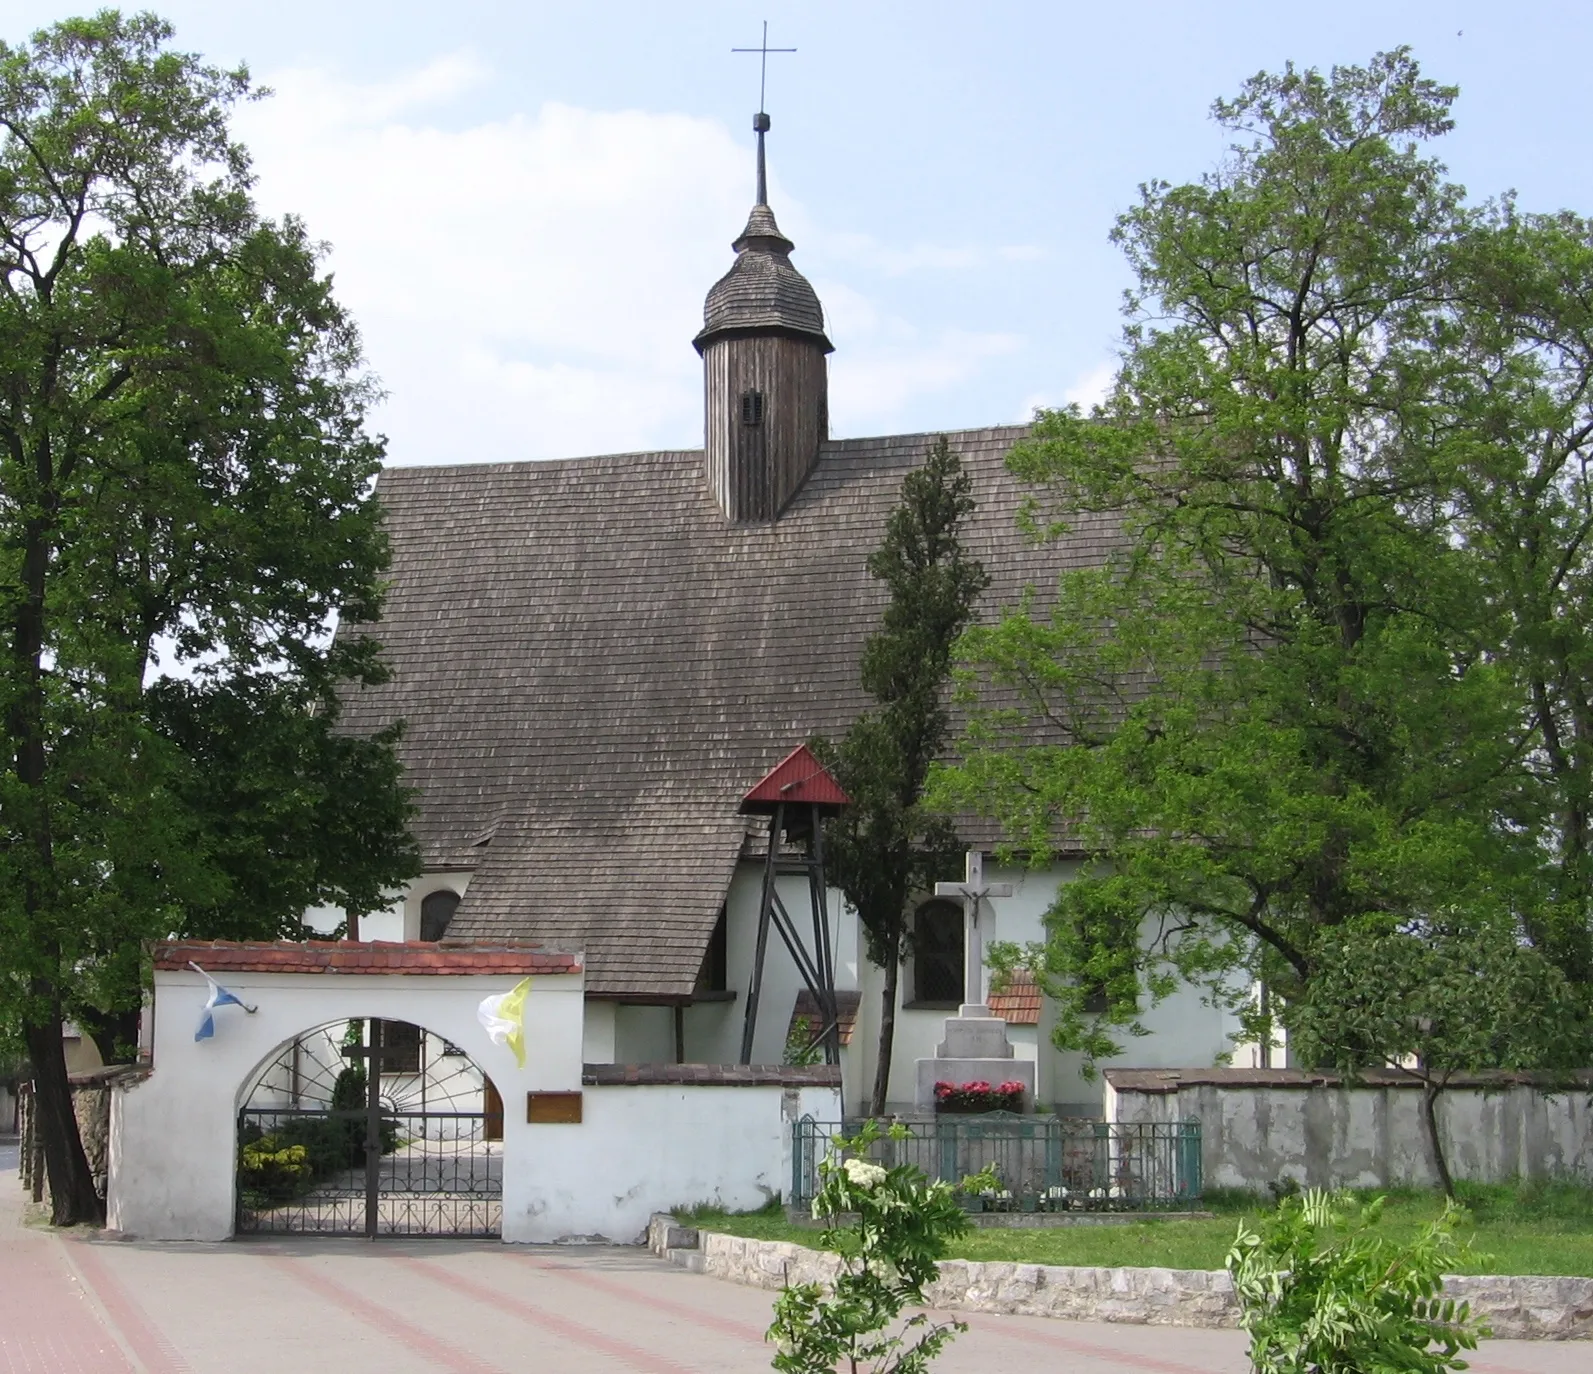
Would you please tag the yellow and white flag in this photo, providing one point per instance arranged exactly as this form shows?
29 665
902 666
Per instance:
503 1016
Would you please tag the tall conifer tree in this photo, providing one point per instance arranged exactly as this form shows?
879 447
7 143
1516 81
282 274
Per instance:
886 848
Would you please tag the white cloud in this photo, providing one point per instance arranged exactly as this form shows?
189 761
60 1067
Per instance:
895 261
1091 388
528 286
872 384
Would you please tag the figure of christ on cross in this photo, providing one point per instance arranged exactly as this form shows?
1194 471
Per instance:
972 890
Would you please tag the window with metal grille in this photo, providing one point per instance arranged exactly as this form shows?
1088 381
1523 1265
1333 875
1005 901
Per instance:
402 1040
937 954
436 910
752 407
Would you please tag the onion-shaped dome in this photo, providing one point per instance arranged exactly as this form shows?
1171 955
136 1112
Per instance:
762 293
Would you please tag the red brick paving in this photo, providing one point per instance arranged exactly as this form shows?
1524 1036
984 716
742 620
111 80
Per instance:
70 1306
744 1331
384 1321
576 1333
47 1322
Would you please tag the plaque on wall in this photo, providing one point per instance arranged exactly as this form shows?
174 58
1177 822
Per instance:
553 1109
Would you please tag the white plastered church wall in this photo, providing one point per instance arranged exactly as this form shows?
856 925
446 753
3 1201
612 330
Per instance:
713 1029
173 1155
1185 1032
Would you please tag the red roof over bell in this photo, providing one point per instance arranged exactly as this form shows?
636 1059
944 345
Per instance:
798 779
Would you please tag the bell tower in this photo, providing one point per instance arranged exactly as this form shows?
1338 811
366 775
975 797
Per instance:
765 376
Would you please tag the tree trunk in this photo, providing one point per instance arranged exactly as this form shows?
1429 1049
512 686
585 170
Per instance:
72 1196
1430 1091
887 1029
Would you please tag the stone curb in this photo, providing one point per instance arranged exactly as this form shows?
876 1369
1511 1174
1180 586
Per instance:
1516 1306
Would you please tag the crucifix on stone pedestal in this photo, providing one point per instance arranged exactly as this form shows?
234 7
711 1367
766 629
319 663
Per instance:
973 890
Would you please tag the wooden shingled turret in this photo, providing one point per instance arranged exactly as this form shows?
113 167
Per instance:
766 380
796 795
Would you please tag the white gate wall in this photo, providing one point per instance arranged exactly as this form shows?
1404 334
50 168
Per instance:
714 1134
173 1135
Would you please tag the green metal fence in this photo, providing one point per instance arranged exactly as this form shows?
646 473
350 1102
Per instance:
1045 1163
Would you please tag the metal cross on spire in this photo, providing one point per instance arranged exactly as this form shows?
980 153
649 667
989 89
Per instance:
763 52
760 121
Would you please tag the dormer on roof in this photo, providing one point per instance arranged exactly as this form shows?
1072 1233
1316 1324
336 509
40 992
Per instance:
766 380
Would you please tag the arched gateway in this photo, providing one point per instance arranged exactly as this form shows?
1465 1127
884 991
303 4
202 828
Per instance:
371 1127
240 1122
263 1123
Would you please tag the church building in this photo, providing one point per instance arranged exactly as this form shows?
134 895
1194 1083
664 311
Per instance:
596 658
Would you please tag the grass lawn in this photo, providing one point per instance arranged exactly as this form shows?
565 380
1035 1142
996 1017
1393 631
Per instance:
1531 1229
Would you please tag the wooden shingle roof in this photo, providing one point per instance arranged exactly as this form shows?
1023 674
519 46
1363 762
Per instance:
762 291
594 667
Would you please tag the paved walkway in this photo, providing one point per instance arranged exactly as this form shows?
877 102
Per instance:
70 1305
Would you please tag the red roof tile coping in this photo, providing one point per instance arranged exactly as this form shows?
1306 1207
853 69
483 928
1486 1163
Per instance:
805 1016
1018 1003
362 956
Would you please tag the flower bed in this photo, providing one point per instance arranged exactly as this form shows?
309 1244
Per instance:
979 1096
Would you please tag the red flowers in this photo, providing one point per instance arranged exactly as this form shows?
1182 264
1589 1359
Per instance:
979 1096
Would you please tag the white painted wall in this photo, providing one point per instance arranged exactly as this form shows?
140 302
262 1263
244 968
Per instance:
640 1150
637 1150
173 1145
1185 1033
643 1035
598 1035
719 1036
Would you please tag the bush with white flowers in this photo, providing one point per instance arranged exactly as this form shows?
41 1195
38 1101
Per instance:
902 1227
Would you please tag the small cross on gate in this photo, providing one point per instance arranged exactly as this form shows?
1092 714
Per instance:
972 890
373 1054
763 61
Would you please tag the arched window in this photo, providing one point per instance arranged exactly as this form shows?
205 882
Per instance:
937 954
436 910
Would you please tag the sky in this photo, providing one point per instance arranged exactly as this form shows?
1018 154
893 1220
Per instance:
524 204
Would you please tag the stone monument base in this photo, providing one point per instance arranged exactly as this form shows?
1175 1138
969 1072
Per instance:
976 1047
993 1071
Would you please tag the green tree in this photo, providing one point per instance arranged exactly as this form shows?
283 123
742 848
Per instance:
1437 1002
184 493
1518 391
1276 712
886 847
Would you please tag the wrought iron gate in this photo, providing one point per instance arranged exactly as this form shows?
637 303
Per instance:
320 1153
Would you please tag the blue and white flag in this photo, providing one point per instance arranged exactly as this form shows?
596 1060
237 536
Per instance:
219 997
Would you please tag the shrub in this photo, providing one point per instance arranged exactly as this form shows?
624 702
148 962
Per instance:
271 1171
888 1253
1322 1293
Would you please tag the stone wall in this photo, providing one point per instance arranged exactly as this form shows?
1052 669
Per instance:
1517 1307
1261 1125
91 1101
